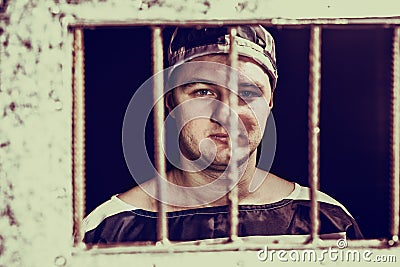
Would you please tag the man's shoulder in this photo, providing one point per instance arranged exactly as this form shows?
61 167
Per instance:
281 188
107 209
303 194
140 196
333 214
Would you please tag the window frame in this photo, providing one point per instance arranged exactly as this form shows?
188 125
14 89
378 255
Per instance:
317 25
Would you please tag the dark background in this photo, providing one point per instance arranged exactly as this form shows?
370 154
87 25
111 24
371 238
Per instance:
355 113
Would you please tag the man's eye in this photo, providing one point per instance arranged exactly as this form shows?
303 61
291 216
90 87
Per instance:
203 92
246 94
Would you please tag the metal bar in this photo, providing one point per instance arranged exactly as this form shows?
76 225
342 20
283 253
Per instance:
395 139
218 245
234 133
160 162
78 138
313 127
383 21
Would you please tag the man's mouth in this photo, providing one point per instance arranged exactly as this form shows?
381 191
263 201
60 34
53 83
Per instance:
220 137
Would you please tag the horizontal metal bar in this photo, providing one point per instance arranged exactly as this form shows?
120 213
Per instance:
383 21
223 244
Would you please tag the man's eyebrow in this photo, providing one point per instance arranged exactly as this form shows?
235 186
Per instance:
196 80
199 80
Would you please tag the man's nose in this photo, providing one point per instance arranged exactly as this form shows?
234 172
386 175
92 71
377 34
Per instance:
221 111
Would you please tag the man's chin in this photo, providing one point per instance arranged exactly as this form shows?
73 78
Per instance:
221 167
221 162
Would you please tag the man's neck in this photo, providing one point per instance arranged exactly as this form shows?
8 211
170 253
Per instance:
221 179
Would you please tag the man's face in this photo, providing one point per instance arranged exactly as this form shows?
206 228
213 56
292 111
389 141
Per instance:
203 116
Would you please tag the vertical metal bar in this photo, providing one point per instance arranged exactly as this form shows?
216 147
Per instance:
158 91
234 133
395 138
78 139
313 127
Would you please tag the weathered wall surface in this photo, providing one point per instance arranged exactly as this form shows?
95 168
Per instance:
35 135
36 108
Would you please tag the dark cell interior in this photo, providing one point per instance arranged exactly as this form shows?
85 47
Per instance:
355 113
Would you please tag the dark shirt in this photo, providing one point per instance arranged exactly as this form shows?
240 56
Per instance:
117 221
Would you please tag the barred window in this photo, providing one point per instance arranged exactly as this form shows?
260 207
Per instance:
336 107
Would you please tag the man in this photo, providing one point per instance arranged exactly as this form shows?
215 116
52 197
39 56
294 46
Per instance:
199 103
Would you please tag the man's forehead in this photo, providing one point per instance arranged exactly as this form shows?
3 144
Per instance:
224 59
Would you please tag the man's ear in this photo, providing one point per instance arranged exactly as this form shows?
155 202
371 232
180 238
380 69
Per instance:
271 101
170 103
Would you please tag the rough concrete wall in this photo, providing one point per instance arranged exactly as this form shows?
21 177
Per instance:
36 108
35 135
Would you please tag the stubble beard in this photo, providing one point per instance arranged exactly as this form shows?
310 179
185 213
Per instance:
217 164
